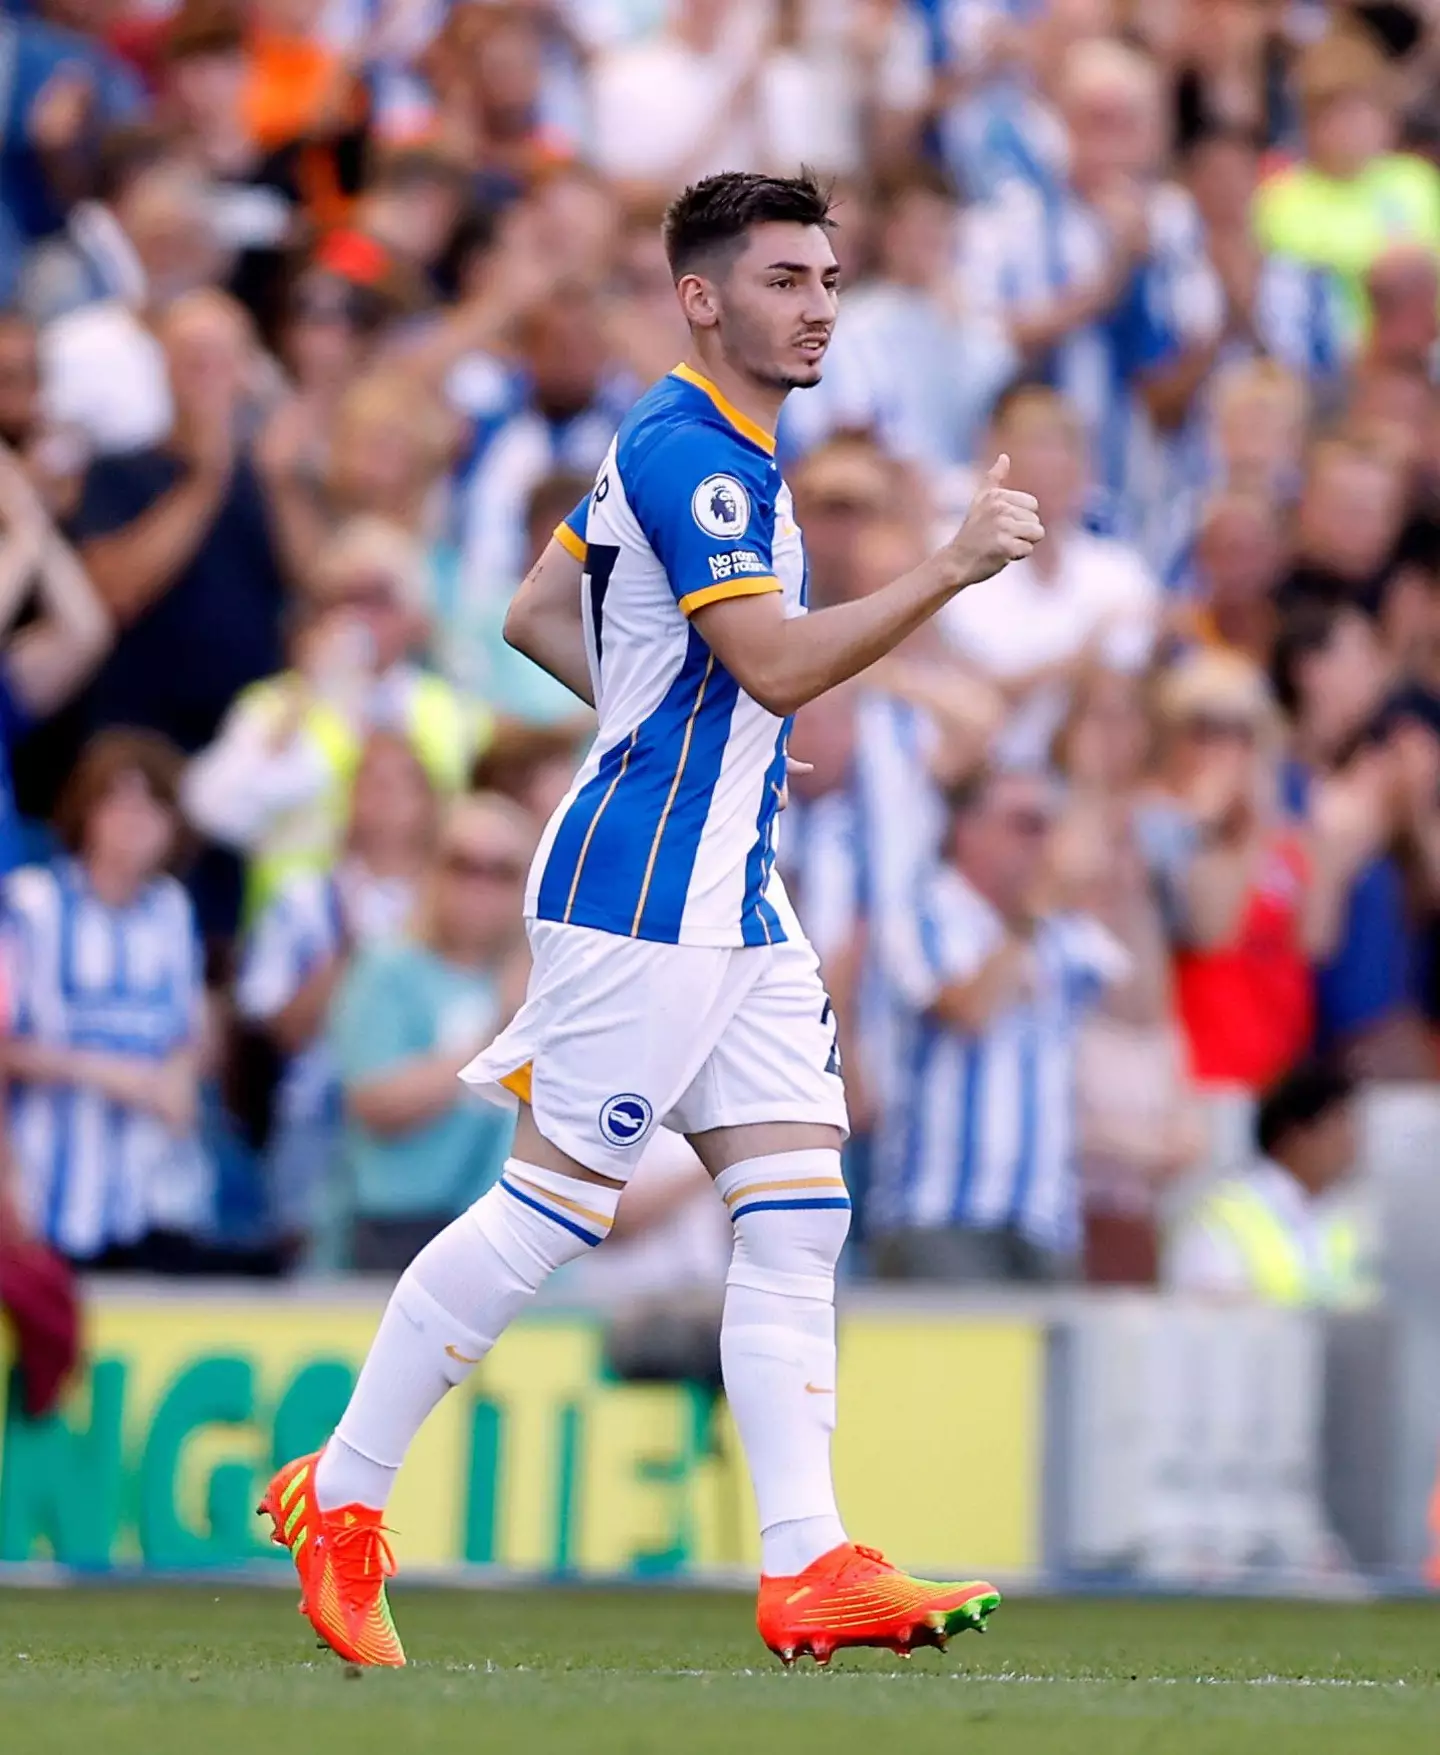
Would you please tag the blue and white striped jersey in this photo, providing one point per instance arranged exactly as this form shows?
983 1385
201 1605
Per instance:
1000 133
1029 245
1299 319
120 981
510 448
981 1133
668 832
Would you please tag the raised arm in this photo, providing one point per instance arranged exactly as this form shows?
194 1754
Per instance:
48 659
784 662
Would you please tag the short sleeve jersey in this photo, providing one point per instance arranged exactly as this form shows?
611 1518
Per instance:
668 832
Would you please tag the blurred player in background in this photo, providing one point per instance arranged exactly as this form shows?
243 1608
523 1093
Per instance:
671 984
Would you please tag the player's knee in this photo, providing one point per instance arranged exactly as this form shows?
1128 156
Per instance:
536 1219
791 1215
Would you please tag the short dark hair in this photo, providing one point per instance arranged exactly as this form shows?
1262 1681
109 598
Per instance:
127 152
712 216
1307 628
105 759
1298 1099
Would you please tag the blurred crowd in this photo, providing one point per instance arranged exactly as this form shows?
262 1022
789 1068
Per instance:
316 316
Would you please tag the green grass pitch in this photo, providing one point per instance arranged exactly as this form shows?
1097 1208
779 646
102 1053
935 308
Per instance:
226 1671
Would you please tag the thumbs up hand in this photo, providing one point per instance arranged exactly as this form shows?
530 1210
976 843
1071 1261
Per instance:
1001 526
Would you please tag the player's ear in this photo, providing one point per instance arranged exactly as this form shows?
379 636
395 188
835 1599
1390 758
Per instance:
698 301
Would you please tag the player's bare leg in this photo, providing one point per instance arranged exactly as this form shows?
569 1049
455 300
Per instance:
782 1185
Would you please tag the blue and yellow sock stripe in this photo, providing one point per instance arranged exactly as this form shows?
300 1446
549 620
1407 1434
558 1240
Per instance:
788 1195
570 1215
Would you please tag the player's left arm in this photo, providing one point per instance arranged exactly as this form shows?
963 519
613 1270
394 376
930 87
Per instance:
544 620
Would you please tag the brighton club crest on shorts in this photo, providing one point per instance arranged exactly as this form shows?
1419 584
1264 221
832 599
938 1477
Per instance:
625 1120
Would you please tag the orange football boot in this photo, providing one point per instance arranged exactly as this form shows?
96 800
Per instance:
853 1596
342 1559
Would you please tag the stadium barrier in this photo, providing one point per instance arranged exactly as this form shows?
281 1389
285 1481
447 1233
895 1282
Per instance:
542 1463
1089 1439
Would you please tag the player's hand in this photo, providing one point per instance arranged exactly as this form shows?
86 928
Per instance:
1001 526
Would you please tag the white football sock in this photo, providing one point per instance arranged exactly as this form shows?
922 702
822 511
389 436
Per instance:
777 1344
452 1304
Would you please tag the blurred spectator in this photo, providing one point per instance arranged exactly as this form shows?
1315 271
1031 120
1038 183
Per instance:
45 661
1080 600
383 449
1231 71
910 364
1258 417
1353 195
404 222
142 241
262 179
1252 899
1283 1232
715 88
177 539
298 90
110 282
276 782
1279 306
326 338
533 766
419 1146
839 487
470 613
1138 1124
1238 560
1103 285
975 1175
1403 288
298 953
1349 522
1331 678
62 90
1006 126
560 410
53 456
644 322
104 1059
487 66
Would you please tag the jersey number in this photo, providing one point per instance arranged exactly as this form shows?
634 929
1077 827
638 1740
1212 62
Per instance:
600 559
827 1016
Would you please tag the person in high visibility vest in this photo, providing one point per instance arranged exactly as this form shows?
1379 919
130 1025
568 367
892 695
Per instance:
1287 1230
276 782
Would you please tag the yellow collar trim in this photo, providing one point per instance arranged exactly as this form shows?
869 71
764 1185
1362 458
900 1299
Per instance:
742 423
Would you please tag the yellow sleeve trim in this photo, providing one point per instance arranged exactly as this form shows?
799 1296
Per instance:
572 544
748 585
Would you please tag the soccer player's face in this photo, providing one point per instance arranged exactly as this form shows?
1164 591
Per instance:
777 305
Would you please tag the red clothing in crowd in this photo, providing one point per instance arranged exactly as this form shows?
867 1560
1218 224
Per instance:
1248 1007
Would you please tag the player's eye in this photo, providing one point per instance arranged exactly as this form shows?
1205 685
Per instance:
783 280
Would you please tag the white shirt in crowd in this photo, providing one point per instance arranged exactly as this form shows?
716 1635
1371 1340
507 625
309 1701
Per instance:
657 102
1018 622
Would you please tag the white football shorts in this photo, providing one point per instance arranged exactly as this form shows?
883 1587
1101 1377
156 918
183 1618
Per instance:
620 1035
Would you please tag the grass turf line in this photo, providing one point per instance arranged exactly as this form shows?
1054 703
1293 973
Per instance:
218 1671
